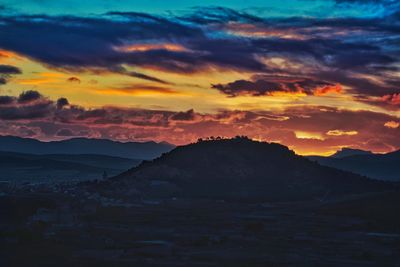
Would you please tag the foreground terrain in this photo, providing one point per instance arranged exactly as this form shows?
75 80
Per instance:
232 202
56 168
50 229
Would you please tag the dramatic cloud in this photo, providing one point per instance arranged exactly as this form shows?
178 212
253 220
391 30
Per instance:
266 85
311 129
180 61
28 105
319 55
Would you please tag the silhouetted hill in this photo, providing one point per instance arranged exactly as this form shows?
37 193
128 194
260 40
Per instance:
238 169
346 152
132 150
377 166
45 168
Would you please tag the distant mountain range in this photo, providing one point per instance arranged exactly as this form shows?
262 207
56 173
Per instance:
21 167
131 150
377 166
239 169
85 159
346 152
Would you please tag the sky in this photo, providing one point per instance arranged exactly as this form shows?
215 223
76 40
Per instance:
313 75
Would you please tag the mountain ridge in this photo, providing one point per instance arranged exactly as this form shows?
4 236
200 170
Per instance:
237 168
132 150
376 166
22 167
347 152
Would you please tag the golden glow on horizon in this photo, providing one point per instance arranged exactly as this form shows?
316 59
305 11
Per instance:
312 152
308 135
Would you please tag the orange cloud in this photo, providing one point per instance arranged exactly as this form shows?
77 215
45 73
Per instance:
295 94
148 47
341 132
8 54
139 90
393 99
319 91
392 124
44 78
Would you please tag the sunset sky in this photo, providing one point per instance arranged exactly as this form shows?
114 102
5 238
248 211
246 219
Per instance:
313 75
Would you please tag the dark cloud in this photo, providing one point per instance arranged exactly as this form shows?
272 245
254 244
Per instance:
184 115
29 96
331 53
240 87
7 69
122 70
62 102
25 112
146 77
361 54
91 41
94 43
264 85
74 80
6 100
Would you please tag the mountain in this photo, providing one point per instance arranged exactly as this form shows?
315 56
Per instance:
377 166
132 150
55 168
346 152
239 169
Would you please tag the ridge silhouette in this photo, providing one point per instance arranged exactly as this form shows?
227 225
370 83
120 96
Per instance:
237 168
